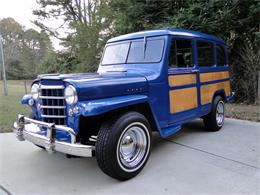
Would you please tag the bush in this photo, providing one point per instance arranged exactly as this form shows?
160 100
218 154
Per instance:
245 71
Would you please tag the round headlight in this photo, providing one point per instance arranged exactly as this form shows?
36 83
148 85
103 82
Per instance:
70 94
35 91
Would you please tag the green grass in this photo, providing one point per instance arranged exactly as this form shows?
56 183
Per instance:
10 105
243 111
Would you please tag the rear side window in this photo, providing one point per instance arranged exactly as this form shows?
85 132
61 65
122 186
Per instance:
205 53
181 55
221 56
141 52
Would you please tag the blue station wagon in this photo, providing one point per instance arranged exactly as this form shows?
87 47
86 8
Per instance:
147 81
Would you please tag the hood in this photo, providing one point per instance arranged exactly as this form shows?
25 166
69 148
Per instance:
94 85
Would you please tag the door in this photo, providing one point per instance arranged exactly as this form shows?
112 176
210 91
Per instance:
182 81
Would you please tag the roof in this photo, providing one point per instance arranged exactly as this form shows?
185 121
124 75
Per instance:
172 31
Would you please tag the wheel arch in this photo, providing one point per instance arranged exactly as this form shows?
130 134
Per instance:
96 121
220 93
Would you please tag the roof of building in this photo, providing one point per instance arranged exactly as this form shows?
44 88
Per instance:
171 31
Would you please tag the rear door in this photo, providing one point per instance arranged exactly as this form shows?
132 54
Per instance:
183 81
214 72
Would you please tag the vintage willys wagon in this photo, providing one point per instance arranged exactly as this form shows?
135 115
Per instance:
146 81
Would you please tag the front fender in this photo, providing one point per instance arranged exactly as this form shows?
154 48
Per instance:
25 99
99 106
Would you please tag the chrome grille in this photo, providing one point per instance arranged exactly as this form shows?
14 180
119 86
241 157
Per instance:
52 104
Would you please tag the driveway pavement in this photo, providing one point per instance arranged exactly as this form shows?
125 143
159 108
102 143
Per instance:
190 162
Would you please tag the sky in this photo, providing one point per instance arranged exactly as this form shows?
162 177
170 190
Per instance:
21 11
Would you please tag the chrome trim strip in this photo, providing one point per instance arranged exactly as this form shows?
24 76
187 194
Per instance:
53 116
56 107
51 87
52 97
28 129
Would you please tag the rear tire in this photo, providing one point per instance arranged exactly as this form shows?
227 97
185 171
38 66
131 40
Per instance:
123 145
214 121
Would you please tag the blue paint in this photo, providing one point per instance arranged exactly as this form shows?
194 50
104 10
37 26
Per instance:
122 85
170 31
183 86
25 99
215 81
100 106
167 131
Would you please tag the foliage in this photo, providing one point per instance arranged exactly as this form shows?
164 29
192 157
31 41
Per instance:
245 70
23 49
236 21
60 62
89 22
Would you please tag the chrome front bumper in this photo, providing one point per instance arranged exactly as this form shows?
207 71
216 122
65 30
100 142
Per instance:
26 129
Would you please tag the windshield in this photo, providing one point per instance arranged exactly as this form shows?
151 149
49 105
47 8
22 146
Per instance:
137 51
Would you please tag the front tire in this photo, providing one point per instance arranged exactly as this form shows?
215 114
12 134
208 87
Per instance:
123 145
214 121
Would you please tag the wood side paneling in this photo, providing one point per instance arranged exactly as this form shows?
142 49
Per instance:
183 99
207 91
184 79
212 76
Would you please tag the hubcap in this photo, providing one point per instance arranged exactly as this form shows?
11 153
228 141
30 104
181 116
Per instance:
133 146
220 113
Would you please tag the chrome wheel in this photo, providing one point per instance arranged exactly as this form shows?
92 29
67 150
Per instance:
133 147
220 113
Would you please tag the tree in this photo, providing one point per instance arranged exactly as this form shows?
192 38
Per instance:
92 22
23 49
88 20
236 21
11 32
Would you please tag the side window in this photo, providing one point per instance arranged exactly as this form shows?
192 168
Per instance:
221 56
205 53
181 55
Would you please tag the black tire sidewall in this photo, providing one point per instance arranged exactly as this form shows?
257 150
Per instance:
210 120
115 132
214 111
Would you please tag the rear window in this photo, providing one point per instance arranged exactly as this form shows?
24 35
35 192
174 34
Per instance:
221 56
139 51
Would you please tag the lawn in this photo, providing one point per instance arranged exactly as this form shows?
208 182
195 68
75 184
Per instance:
243 111
10 106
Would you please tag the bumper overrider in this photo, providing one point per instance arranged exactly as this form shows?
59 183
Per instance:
26 129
